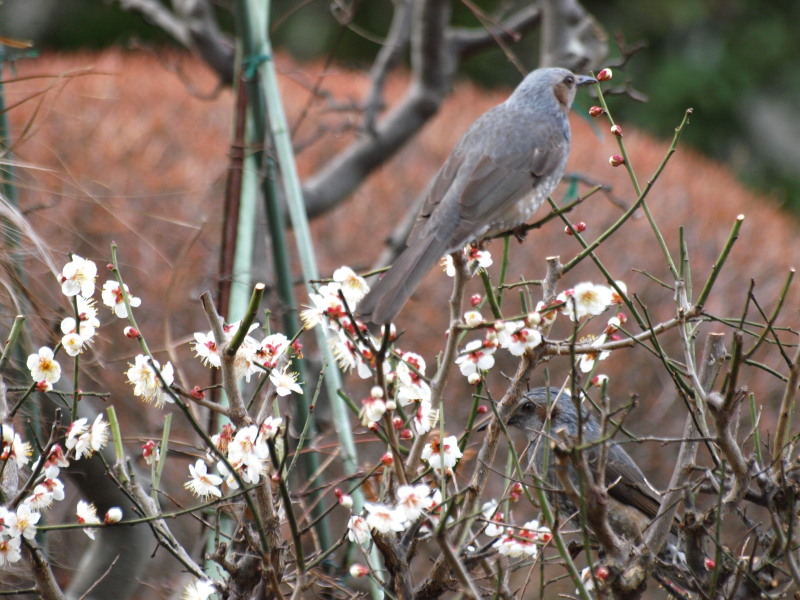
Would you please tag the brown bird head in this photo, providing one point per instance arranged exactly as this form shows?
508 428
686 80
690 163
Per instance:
544 85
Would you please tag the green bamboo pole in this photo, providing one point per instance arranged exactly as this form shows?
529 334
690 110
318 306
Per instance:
297 214
252 23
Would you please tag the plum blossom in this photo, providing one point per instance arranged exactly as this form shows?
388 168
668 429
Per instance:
9 550
411 385
588 359
326 305
78 277
202 483
412 500
150 452
146 384
285 381
477 258
425 417
384 519
112 296
271 349
13 447
271 427
442 455
22 522
523 542
374 409
348 355
494 528
358 530
43 366
248 454
586 298
87 440
353 287
477 356
205 346
516 336
87 514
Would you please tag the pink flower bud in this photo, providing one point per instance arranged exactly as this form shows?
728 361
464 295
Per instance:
131 332
602 572
397 423
616 130
604 75
406 434
358 570
474 378
596 111
578 227
346 501
709 564
616 160
516 491
475 299
387 459
482 409
197 393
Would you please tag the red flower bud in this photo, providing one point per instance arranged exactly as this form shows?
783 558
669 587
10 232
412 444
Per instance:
709 564
337 492
596 111
475 299
406 434
483 409
616 160
604 75
387 459
616 130
197 393
131 332
601 573
397 423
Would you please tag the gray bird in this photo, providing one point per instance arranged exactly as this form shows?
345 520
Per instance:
633 502
500 172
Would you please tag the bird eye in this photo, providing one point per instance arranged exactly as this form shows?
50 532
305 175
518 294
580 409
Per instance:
528 406
569 80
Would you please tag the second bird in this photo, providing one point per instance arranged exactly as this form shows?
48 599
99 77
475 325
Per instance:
500 172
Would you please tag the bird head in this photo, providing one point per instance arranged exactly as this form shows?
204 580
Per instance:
537 406
543 85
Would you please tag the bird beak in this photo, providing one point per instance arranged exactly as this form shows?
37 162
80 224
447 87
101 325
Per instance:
585 80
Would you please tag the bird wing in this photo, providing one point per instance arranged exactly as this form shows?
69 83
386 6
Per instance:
495 164
628 484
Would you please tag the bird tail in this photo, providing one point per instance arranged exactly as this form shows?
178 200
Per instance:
391 292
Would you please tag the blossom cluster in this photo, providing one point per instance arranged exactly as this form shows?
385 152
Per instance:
413 501
519 336
245 450
19 521
253 357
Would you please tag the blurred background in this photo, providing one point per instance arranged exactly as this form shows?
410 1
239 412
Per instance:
733 61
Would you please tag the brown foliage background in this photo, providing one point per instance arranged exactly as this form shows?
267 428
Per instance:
114 147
